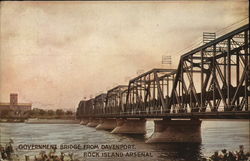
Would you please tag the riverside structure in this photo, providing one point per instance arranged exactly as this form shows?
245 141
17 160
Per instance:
211 82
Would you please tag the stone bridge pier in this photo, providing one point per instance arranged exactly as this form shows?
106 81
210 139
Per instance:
84 121
168 130
130 126
93 122
106 124
165 130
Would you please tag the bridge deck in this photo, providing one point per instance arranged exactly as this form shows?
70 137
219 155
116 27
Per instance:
199 115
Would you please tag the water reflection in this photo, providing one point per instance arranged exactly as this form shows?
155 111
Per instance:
168 151
215 136
180 151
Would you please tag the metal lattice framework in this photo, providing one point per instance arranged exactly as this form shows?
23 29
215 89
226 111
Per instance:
99 103
85 107
116 99
213 78
150 91
222 68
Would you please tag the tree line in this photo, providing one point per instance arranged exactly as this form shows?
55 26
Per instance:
37 113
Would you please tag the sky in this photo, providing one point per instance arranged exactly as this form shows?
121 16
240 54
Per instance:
53 54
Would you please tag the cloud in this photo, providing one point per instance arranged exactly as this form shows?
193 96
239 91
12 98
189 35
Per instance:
56 53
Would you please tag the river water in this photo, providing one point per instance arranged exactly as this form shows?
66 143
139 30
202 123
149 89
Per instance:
216 135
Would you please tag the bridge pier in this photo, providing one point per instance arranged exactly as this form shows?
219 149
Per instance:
93 122
130 126
84 121
176 131
106 124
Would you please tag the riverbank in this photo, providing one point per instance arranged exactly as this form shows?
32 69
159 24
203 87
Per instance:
12 120
41 121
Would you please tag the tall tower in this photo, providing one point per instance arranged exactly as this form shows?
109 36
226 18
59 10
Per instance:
13 100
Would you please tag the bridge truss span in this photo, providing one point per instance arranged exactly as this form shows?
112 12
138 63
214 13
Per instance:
214 76
211 81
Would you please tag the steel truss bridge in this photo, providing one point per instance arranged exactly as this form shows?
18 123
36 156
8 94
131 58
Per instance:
211 81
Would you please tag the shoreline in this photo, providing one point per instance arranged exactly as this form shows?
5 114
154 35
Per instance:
42 121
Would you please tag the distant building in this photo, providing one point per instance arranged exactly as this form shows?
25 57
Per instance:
13 105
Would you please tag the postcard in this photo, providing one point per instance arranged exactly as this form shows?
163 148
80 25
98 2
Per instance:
124 80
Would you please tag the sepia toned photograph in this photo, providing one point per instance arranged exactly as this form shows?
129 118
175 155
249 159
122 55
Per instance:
125 80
